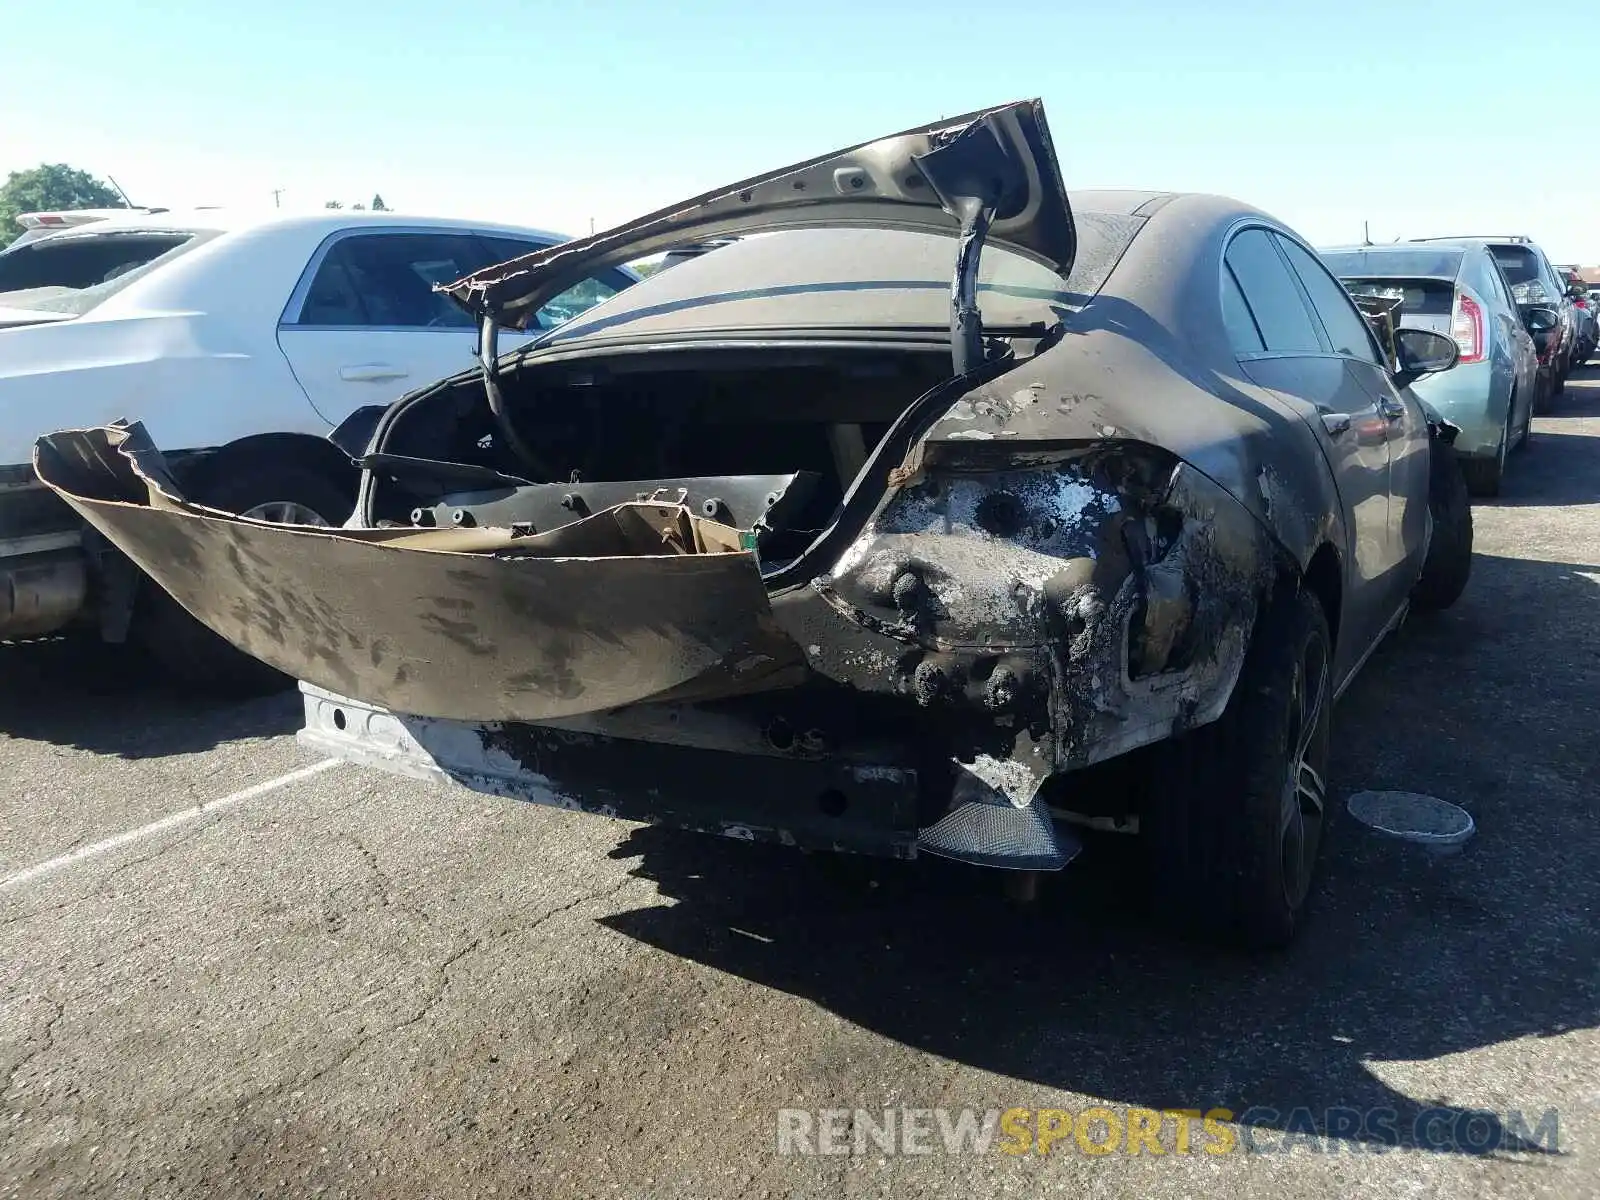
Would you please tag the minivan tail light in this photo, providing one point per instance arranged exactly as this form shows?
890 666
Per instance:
1466 326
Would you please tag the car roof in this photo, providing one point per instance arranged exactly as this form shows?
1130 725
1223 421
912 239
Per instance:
324 221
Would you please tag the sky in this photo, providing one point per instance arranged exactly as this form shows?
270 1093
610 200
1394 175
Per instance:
1417 118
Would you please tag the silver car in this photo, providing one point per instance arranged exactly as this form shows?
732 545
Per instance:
1458 289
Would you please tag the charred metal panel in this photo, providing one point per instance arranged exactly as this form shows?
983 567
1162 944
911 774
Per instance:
1099 386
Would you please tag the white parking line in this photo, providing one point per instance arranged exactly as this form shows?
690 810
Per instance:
170 821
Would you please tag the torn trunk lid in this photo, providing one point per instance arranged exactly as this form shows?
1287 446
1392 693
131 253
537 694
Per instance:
931 178
641 601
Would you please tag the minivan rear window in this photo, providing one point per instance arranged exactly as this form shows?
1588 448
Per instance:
1519 265
72 273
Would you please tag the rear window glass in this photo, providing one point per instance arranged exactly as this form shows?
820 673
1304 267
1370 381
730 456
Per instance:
1418 297
859 278
73 273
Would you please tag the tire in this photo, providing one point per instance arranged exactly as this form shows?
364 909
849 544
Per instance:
1542 390
1449 562
187 650
1483 475
1237 811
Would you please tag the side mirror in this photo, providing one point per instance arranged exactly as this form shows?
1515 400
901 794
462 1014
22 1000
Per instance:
1422 352
1540 318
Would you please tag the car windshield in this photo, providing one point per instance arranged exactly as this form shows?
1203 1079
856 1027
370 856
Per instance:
72 273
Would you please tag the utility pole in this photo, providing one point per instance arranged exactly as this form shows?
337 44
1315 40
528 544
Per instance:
1366 234
276 193
591 226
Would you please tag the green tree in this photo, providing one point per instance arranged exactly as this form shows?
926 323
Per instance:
333 204
50 187
378 205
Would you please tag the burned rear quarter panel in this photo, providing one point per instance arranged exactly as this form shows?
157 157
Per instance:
1148 360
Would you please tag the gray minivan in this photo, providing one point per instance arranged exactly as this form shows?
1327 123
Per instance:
1458 289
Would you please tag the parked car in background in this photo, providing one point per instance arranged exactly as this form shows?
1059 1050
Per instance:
1536 282
1588 317
243 340
946 509
1457 289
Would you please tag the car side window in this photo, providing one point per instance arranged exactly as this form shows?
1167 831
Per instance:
578 298
385 281
1243 332
1346 328
1489 271
1269 290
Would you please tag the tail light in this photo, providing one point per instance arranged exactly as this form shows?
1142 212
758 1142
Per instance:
1466 326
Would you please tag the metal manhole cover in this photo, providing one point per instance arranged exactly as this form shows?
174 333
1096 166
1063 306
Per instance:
1413 817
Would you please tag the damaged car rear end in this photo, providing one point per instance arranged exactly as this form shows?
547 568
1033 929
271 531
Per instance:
878 527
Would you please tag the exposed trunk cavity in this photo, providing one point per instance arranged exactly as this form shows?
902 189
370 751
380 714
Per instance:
769 441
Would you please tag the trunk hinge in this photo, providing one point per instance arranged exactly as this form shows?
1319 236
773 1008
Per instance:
966 320
489 359
975 177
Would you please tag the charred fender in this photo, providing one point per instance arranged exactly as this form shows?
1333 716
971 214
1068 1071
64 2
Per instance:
1084 608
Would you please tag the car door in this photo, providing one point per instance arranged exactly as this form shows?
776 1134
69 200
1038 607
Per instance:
1290 355
1518 342
1398 422
365 325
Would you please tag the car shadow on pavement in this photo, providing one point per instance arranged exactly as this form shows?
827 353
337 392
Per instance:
72 691
1406 957
1554 469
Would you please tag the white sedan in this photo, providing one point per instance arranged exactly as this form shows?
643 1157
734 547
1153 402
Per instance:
241 341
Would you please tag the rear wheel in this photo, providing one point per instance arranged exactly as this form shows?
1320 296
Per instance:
1483 475
1237 809
1542 388
187 649
1449 562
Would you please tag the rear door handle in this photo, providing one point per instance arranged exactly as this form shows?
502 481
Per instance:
371 373
1336 422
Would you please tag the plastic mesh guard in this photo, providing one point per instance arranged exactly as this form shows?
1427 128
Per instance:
994 833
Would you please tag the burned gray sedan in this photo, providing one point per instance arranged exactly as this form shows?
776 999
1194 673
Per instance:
924 509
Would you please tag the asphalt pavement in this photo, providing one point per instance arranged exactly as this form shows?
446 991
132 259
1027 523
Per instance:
227 969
